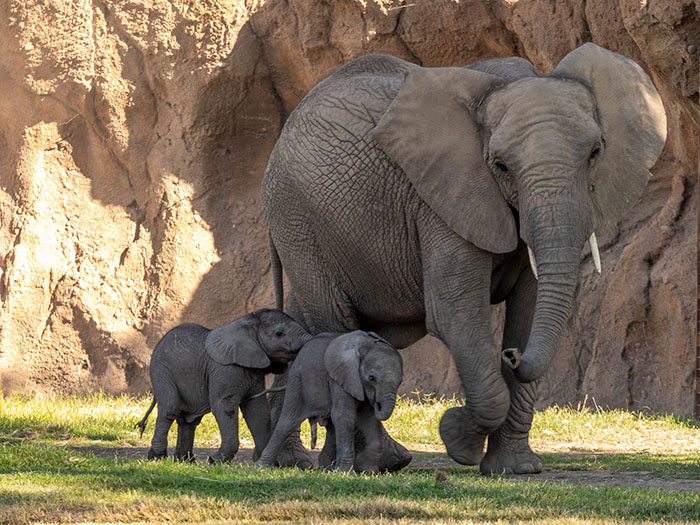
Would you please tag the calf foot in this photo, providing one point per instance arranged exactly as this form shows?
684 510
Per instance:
219 457
155 456
293 454
463 438
326 458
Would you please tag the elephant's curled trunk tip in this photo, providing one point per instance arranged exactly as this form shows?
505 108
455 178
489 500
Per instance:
528 370
525 370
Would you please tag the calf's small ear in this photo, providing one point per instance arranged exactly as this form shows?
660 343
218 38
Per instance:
342 361
236 344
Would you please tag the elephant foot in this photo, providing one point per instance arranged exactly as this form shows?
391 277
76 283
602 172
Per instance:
394 456
293 454
463 438
263 463
365 462
344 466
326 459
155 456
510 457
219 457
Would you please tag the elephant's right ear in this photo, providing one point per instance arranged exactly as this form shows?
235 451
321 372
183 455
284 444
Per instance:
342 361
633 121
429 131
236 344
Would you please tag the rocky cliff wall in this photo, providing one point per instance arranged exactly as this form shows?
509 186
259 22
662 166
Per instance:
134 135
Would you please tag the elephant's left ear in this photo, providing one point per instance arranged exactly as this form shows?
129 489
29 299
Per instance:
430 132
236 344
633 122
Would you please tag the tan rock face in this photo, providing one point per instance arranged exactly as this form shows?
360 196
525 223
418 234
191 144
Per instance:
134 135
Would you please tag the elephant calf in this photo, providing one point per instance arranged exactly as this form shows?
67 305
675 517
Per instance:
347 383
195 370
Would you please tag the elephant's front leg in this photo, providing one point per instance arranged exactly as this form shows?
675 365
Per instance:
292 412
508 448
344 417
457 296
226 414
367 459
256 413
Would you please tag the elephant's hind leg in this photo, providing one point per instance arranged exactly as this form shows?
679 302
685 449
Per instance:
185 439
159 443
326 459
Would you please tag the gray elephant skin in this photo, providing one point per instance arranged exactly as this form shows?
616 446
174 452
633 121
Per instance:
195 371
406 200
348 383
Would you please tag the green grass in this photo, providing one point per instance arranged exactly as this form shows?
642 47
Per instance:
43 478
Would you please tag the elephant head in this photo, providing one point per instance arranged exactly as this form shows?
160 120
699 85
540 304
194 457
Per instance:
366 367
257 340
570 152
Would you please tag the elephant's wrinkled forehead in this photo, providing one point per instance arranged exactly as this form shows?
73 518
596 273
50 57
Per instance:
534 99
543 114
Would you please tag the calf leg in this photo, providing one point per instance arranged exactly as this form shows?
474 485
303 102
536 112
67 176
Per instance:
159 443
185 439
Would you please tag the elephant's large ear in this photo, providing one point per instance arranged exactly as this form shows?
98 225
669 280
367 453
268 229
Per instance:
633 122
236 344
342 361
429 131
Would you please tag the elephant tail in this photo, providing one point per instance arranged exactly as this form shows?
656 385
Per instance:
276 267
142 424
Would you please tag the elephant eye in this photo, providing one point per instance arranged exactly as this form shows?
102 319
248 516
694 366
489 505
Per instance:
501 166
279 333
372 379
595 153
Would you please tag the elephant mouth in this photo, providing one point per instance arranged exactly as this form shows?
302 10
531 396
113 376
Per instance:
291 353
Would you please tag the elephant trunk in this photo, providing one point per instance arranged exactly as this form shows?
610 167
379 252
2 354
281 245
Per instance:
556 244
300 336
384 406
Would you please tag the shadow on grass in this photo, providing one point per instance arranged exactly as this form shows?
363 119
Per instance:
675 466
414 493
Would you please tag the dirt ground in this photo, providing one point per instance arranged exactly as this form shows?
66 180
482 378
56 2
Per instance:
436 461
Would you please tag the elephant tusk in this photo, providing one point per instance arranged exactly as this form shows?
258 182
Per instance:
533 262
594 252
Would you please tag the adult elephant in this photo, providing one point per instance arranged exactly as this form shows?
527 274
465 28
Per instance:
406 200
